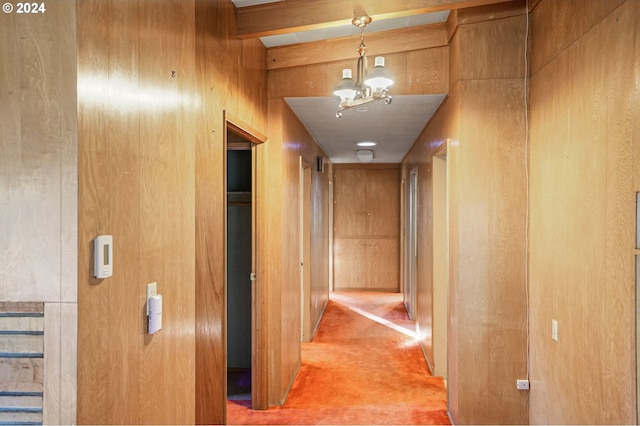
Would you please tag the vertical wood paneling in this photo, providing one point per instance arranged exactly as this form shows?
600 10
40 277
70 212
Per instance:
582 214
38 150
123 170
557 24
428 71
350 203
440 129
39 190
209 227
230 77
383 201
366 227
93 383
489 49
417 72
483 119
136 79
280 171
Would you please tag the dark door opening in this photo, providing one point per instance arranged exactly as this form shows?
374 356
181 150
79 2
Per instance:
239 268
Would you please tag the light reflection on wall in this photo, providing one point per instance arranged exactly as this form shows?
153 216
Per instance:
120 93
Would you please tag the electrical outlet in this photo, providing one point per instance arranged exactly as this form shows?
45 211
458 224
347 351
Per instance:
522 384
554 330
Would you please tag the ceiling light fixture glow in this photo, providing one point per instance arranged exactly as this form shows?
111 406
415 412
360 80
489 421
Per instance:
367 88
367 143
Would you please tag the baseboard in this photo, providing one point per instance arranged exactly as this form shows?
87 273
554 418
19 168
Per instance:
315 328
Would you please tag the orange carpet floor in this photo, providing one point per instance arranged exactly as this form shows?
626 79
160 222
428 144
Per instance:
364 366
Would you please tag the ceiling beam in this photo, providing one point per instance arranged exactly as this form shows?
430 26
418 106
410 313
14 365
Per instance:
379 43
298 15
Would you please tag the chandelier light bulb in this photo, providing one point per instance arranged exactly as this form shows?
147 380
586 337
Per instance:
379 79
346 89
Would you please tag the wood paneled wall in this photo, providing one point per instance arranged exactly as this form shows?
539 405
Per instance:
288 141
424 71
39 191
585 157
482 123
153 84
230 77
366 209
137 103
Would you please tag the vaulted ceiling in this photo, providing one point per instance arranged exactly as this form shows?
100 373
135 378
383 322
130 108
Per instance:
296 32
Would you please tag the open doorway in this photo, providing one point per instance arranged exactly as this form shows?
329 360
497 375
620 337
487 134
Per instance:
411 249
440 262
245 301
305 250
239 266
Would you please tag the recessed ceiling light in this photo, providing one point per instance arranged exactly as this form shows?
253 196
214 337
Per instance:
366 143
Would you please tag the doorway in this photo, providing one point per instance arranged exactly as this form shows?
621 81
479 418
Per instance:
305 251
440 262
245 362
411 259
239 266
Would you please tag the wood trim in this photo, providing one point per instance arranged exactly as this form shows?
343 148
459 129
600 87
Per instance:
379 43
482 14
259 343
452 25
259 338
298 15
442 150
243 129
491 12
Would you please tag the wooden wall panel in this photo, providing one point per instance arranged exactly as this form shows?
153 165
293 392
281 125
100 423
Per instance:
490 208
492 49
230 77
556 25
441 128
366 227
288 141
483 121
428 71
584 104
153 85
383 201
39 187
137 92
320 79
350 203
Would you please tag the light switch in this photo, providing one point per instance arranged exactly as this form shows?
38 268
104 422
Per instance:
152 290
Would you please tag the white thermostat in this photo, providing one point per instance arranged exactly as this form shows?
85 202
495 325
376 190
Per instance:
103 256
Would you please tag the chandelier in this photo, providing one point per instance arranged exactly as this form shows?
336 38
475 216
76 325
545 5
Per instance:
367 88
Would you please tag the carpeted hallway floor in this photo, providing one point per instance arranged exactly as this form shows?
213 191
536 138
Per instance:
363 366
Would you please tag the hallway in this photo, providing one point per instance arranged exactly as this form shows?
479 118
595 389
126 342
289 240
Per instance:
363 366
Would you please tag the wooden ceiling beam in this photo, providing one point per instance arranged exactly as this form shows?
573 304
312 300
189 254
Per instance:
298 15
379 43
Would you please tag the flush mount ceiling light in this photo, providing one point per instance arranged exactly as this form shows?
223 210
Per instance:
367 88
366 143
364 155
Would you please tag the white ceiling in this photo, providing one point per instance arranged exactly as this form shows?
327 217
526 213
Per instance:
393 127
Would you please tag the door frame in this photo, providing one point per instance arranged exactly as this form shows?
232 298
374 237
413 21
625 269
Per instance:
440 264
259 360
411 249
305 250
